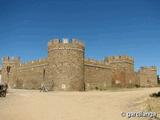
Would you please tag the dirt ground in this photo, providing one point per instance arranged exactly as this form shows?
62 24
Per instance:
92 105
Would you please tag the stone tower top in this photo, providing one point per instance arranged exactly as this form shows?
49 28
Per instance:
65 44
117 59
57 44
153 68
65 41
7 58
10 59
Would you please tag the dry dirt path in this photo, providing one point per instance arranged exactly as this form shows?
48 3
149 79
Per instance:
93 105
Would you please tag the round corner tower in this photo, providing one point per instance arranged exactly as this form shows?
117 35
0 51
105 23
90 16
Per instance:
66 64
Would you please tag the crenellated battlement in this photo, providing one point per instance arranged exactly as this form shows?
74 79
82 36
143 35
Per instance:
148 68
93 62
6 58
65 44
11 59
115 59
34 62
65 41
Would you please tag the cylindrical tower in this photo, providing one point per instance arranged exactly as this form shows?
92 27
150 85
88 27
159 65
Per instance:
66 64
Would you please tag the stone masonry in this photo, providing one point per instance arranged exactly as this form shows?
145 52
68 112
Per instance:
66 69
0 76
147 76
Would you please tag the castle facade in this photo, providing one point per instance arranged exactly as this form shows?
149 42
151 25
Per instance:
67 69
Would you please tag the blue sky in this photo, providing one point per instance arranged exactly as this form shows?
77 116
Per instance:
115 27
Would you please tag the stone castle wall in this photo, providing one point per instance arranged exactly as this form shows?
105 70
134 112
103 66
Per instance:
0 76
9 75
148 76
66 69
98 75
123 74
30 75
24 75
121 62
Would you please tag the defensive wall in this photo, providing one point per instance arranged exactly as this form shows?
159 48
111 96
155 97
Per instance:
66 69
30 75
0 76
147 76
123 74
98 75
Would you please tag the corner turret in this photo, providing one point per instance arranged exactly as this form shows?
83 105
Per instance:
9 69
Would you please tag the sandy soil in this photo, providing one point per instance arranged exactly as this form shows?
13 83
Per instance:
93 105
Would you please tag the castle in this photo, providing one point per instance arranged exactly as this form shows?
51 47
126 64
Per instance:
66 69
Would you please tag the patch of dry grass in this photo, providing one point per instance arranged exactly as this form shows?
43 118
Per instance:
153 104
